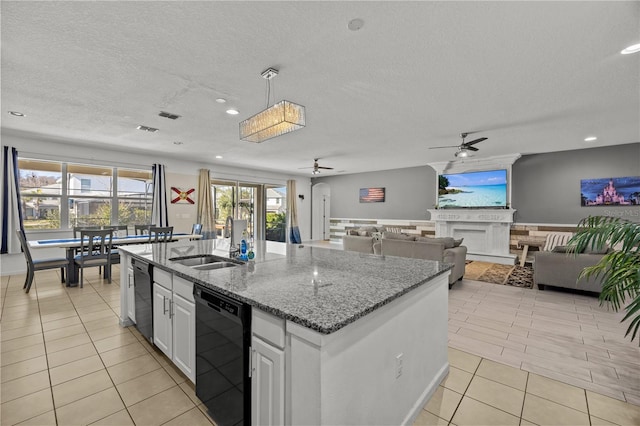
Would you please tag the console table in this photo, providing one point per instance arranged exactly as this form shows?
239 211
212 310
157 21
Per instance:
525 243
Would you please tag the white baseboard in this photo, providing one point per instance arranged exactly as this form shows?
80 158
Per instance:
13 264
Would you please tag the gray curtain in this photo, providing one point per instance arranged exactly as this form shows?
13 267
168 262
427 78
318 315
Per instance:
11 211
205 205
159 213
292 212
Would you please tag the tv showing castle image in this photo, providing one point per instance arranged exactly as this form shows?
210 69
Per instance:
621 191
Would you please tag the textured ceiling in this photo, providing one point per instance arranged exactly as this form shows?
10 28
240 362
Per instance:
530 76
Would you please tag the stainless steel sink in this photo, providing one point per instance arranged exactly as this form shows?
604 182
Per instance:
215 265
205 261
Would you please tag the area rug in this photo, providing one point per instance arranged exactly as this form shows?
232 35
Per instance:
495 273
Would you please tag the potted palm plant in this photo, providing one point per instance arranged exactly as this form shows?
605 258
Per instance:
619 268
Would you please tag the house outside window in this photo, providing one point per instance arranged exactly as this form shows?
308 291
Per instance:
93 195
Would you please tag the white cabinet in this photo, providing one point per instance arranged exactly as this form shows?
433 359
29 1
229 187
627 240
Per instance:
174 321
162 327
184 335
267 383
131 295
267 369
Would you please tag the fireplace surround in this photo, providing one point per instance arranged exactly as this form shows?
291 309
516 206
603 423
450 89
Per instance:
486 232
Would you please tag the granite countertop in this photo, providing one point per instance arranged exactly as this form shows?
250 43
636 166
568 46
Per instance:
280 280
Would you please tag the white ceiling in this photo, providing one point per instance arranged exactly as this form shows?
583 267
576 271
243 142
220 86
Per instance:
531 76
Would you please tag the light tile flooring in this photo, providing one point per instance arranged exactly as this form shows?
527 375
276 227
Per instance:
517 356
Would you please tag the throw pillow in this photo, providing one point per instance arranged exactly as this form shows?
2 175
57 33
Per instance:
593 249
456 243
556 239
393 229
397 236
563 249
447 241
364 233
352 232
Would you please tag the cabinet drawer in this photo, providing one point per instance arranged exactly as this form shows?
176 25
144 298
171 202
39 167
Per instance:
163 278
184 288
268 327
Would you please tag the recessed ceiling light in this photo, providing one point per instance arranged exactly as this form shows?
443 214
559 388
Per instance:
17 114
233 111
355 24
590 139
631 49
221 100
178 143
219 157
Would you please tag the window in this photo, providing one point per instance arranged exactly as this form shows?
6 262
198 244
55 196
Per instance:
91 194
40 193
134 197
91 190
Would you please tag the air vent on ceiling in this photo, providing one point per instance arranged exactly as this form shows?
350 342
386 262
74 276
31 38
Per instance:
169 115
147 129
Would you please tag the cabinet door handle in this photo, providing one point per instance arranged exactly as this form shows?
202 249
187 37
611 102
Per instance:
170 308
164 305
252 354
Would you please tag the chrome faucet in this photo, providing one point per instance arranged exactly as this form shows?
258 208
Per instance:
228 233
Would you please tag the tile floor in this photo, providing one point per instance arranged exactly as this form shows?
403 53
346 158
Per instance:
65 360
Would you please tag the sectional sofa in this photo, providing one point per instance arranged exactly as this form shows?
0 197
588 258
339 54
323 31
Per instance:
402 245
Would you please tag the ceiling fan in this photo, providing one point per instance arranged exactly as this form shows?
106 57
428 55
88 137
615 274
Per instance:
316 168
465 147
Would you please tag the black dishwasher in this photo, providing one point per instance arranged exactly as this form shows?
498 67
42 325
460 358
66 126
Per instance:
223 339
143 286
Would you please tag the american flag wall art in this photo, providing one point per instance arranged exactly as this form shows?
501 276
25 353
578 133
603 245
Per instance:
372 195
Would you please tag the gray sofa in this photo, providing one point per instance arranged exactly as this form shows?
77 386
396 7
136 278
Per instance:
438 249
557 269
362 244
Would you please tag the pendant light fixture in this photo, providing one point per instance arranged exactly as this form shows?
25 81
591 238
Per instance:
275 120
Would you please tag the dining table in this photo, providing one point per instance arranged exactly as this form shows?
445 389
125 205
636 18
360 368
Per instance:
71 244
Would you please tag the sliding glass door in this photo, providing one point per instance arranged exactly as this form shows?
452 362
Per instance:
276 213
223 195
241 201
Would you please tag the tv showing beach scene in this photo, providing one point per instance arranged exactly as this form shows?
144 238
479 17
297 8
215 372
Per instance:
486 189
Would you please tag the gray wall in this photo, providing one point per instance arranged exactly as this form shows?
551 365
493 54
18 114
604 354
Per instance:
546 187
408 194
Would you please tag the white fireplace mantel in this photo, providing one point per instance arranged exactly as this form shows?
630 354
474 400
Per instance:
486 232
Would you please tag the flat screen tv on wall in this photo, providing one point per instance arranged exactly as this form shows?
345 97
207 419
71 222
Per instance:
486 189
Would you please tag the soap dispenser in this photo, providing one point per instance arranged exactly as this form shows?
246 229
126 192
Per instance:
243 245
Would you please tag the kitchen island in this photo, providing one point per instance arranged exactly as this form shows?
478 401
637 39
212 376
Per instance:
337 337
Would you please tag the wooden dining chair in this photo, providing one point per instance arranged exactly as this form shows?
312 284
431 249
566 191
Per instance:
40 264
77 229
196 229
95 251
160 234
115 254
142 229
117 228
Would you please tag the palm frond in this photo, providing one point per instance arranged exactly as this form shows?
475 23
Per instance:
619 269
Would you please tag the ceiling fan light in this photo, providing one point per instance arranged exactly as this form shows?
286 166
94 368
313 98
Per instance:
316 172
463 153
